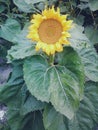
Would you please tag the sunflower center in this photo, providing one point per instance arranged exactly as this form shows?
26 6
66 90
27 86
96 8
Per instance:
50 31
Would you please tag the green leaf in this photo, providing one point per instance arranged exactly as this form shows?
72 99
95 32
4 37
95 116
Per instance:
20 51
85 118
93 5
2 8
55 84
34 70
19 104
86 51
70 59
9 30
77 36
92 33
10 89
13 115
31 104
11 95
33 121
23 6
87 114
23 47
33 1
21 38
27 5
79 19
21 122
16 77
91 92
90 60
53 120
16 120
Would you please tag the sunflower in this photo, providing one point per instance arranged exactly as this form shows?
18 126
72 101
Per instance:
50 30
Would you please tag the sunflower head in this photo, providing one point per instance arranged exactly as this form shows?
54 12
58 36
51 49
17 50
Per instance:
50 30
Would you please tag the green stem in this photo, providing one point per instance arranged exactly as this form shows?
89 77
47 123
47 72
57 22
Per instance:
51 59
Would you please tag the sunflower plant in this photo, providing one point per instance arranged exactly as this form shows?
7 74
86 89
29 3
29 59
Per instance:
53 84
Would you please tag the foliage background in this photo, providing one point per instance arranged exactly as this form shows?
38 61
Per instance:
24 110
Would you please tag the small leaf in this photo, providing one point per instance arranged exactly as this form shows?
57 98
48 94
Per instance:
33 1
53 120
23 6
79 20
92 34
10 29
26 5
93 5
10 89
77 36
2 8
5 71
31 104
91 92
20 51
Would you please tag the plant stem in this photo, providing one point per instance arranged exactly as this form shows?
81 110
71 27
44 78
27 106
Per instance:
51 59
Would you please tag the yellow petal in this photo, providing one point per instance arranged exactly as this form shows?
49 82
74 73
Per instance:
59 47
66 34
52 49
29 36
66 42
47 51
38 46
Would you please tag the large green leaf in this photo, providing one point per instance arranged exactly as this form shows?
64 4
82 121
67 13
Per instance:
55 84
85 118
9 30
87 53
